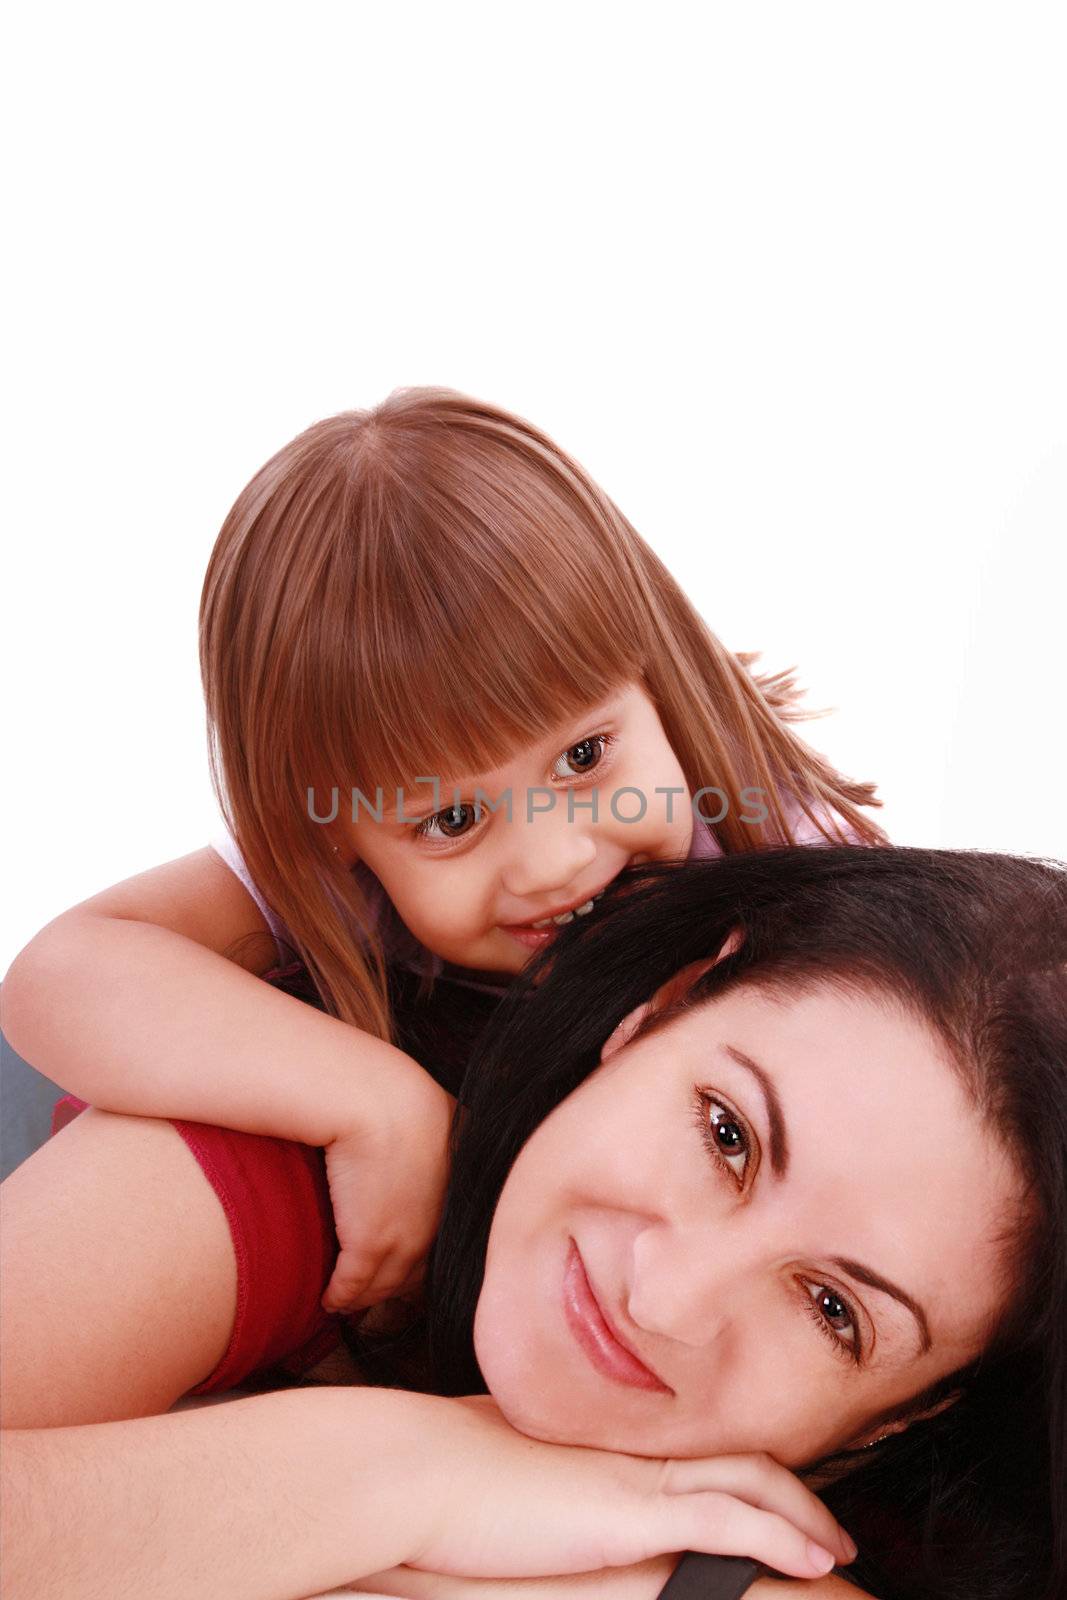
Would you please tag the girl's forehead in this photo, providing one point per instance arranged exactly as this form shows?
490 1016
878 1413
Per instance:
465 738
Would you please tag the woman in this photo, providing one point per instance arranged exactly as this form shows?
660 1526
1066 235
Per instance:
789 1178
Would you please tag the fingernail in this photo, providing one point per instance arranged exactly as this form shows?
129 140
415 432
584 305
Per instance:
821 1560
851 1548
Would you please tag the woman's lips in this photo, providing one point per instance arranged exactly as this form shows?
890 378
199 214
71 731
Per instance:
595 1334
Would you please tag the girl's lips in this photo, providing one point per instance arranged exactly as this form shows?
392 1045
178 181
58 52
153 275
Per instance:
595 1334
532 938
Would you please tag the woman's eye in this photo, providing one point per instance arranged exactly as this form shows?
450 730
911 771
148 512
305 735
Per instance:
582 757
835 1317
725 1135
450 824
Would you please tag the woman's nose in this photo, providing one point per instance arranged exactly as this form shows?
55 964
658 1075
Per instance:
546 854
687 1284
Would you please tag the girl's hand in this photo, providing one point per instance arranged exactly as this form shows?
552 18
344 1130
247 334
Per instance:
387 1179
500 1504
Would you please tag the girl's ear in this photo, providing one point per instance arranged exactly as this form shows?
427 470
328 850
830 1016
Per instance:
668 994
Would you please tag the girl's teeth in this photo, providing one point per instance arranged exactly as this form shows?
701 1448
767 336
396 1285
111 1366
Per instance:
568 916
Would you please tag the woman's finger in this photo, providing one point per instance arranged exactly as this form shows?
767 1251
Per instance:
765 1484
720 1524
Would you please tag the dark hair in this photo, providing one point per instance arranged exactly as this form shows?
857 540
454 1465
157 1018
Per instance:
967 1505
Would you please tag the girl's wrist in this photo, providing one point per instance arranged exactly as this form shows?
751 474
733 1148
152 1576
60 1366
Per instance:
348 1099
384 1095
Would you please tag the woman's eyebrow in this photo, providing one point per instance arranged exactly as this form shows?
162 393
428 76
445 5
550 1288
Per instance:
874 1280
775 1119
780 1166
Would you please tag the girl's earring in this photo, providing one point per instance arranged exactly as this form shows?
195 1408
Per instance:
872 1442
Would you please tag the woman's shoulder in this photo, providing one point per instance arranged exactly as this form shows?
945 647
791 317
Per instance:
118 1274
275 1201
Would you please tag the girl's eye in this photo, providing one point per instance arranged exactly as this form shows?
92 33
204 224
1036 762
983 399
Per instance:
458 820
583 756
725 1135
835 1318
450 824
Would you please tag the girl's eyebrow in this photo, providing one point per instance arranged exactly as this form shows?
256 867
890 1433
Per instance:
415 808
779 1146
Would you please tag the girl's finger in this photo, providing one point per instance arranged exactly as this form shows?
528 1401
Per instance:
720 1524
387 1282
352 1280
767 1485
343 1294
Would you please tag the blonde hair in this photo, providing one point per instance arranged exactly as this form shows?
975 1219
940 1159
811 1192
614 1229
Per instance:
423 588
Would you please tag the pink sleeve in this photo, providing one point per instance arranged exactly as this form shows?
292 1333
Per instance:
225 846
705 845
805 832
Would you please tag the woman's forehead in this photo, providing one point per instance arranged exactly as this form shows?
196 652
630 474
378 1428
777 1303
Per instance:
842 1025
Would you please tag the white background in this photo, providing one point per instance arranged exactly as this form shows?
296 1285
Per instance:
788 279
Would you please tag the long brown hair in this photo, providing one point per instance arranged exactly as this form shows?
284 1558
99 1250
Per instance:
426 587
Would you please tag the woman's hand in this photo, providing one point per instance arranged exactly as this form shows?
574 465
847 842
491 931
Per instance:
500 1504
387 1177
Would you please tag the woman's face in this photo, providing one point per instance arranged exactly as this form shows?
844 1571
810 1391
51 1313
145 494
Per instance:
748 1276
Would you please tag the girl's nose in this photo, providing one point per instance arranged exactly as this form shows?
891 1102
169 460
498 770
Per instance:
547 856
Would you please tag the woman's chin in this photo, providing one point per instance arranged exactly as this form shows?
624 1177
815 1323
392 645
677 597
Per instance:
521 1386
530 1401
532 1420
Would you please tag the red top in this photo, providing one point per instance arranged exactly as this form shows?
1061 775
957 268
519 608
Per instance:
277 1203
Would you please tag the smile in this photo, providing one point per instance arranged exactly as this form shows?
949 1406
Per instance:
595 1334
535 934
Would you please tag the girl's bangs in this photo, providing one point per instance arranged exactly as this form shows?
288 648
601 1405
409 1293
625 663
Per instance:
468 702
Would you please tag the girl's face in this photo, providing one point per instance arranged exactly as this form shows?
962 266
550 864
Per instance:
756 1229
469 880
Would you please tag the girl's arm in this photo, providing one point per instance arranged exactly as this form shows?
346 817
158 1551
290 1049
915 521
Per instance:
128 1001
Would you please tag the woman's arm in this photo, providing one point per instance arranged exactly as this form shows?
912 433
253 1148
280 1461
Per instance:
641 1582
120 1291
266 1498
129 1001
277 1496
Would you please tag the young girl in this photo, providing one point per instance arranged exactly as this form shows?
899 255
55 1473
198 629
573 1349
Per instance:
451 695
